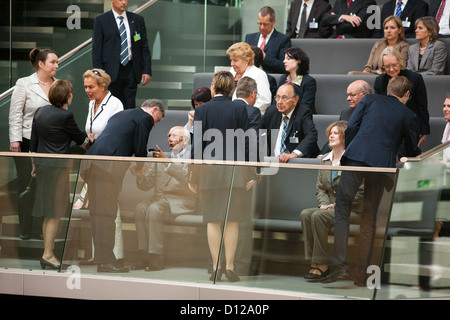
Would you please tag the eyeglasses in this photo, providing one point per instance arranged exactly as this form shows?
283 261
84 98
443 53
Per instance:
392 66
283 98
96 72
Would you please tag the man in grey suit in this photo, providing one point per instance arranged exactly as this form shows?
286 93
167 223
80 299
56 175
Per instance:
171 198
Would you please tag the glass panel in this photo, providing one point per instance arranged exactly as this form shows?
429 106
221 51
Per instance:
417 251
29 202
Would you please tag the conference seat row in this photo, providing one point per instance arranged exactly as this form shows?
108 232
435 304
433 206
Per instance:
339 56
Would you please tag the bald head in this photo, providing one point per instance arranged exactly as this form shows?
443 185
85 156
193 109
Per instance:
356 91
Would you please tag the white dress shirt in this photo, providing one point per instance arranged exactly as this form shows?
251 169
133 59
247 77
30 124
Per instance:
127 27
309 5
276 151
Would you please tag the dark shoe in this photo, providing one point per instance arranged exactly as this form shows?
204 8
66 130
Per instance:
336 274
139 266
112 268
213 274
45 264
154 267
314 277
231 276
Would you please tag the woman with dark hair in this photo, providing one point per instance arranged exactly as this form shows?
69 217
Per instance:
53 129
296 64
428 55
199 97
29 94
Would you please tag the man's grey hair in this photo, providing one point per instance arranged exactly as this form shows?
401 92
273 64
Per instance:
151 103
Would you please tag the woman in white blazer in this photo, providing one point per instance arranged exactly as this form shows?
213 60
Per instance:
242 65
429 55
29 94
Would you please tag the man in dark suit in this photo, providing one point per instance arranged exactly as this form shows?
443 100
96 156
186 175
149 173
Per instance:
126 134
408 11
313 11
373 137
349 21
440 10
291 132
355 92
120 47
272 43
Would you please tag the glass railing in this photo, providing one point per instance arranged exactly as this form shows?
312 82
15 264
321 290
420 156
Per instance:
226 209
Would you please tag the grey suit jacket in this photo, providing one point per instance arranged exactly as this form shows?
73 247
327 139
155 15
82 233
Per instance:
433 61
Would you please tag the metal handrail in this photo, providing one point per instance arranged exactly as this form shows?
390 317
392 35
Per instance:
427 154
79 47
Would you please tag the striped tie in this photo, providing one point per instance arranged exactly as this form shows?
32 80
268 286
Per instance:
123 43
283 135
398 11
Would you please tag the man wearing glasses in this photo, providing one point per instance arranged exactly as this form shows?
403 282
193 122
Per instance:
270 41
291 126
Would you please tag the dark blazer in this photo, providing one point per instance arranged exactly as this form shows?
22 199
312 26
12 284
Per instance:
301 126
413 10
418 102
306 91
220 114
319 8
359 8
254 115
126 134
433 8
274 49
106 45
376 129
52 131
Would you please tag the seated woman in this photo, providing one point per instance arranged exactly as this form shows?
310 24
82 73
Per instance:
243 65
394 36
296 64
429 55
317 222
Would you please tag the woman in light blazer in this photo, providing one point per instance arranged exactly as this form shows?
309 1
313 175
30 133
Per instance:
29 94
429 55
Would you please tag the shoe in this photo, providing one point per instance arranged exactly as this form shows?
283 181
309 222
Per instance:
336 274
141 265
154 267
112 268
45 264
219 276
231 276
25 236
317 277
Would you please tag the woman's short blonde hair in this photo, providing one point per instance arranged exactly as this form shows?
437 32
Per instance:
99 75
392 52
242 50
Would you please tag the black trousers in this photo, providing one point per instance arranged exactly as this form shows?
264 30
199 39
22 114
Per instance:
374 184
125 86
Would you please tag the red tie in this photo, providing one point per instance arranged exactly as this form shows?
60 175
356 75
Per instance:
263 43
349 3
441 10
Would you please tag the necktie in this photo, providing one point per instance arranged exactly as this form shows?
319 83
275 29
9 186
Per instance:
349 3
398 11
441 10
283 135
263 43
123 43
301 32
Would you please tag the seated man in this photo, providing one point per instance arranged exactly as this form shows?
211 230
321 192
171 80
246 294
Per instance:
305 19
272 43
291 132
349 19
171 197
